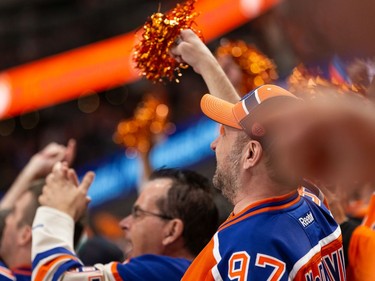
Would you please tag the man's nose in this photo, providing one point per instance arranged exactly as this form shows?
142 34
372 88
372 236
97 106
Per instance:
214 144
125 223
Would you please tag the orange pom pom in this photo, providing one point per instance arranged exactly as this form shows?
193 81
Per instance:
256 67
150 120
159 35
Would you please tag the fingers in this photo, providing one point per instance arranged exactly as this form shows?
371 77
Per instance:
175 52
56 167
56 152
187 35
53 151
87 181
70 151
60 170
178 59
63 193
44 198
73 177
179 52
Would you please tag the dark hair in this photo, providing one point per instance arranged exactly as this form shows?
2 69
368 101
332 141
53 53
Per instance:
190 199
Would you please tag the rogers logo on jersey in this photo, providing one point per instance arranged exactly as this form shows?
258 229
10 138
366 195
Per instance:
307 219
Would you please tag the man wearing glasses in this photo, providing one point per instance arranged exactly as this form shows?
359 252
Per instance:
172 220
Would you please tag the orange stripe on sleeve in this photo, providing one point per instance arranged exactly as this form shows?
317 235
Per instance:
43 270
115 273
7 273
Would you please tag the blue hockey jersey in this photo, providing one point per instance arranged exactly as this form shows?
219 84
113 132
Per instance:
291 237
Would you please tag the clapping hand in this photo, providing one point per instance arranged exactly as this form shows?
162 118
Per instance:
64 192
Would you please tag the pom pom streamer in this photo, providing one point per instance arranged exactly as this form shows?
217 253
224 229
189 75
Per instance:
310 83
256 67
160 33
150 120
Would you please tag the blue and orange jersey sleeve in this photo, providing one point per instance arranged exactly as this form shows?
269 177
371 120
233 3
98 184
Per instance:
6 274
52 264
52 250
153 267
22 273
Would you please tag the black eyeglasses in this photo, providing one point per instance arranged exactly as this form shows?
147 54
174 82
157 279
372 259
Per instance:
138 212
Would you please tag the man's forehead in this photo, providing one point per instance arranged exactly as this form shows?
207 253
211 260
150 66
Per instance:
158 184
154 189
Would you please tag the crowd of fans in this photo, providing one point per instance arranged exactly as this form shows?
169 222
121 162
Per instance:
281 163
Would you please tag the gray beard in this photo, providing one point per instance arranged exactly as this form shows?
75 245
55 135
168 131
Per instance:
227 183
226 178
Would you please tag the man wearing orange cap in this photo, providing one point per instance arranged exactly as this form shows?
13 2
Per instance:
273 233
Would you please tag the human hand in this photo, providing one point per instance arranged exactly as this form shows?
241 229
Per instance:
42 162
64 192
191 50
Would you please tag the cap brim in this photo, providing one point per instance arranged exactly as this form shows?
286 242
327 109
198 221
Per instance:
219 110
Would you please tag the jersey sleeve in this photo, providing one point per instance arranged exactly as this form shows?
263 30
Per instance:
6 274
153 267
52 251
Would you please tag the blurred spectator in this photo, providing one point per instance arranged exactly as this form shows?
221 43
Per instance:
18 208
98 249
358 237
100 243
15 248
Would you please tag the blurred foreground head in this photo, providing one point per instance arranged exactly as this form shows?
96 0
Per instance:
328 139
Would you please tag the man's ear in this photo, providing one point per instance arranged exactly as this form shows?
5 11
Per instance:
172 231
253 154
24 235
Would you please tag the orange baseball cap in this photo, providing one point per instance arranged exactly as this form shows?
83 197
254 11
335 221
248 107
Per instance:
239 115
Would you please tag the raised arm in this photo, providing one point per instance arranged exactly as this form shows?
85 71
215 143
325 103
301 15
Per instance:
193 51
63 201
38 167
